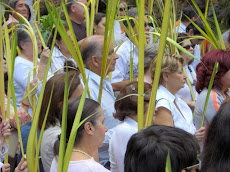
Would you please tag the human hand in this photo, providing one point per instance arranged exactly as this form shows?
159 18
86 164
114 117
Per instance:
22 166
32 85
4 130
6 168
200 134
45 56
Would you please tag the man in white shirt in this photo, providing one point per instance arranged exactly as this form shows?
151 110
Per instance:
127 52
92 50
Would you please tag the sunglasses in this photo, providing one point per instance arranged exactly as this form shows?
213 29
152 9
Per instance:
148 24
187 47
123 8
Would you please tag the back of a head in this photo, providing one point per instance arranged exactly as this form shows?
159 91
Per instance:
91 46
148 149
126 106
205 68
56 84
188 11
216 154
150 53
194 29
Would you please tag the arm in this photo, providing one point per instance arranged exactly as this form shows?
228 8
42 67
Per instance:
163 117
119 85
191 104
43 63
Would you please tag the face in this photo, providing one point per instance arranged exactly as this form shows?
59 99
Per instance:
78 10
28 45
111 60
146 29
100 128
62 46
77 92
122 8
225 80
176 80
189 47
22 9
100 28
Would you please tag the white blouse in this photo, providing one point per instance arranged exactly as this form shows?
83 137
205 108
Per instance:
119 141
166 99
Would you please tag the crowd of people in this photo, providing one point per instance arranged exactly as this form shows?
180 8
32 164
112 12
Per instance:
108 138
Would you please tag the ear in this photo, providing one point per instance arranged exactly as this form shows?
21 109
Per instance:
190 32
94 26
73 7
165 76
95 61
57 42
193 18
89 128
22 45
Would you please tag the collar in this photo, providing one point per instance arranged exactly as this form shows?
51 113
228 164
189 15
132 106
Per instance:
131 122
169 95
96 78
58 54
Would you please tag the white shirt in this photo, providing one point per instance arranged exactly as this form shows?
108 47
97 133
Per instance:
181 28
58 60
197 55
166 99
185 93
119 141
107 104
122 68
22 67
88 165
2 154
49 137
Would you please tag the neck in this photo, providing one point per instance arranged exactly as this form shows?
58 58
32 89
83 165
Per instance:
223 91
171 90
66 54
28 57
75 19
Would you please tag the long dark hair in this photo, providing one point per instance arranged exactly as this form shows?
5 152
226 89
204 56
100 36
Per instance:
216 154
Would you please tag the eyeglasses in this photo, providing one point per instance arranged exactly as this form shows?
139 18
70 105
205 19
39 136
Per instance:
187 47
197 166
123 8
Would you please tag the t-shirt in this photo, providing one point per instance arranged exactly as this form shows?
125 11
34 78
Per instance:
88 165
79 30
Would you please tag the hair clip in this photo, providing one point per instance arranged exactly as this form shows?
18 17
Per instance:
133 88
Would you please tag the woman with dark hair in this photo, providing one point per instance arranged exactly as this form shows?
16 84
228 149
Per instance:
171 110
147 150
99 24
126 111
188 92
61 55
89 138
216 155
220 90
56 84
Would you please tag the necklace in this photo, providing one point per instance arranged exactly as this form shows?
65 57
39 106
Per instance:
78 150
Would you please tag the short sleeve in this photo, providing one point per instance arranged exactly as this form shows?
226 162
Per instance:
163 103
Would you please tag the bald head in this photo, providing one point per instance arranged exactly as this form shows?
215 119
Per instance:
92 46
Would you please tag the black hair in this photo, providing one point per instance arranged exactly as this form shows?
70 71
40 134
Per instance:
216 153
98 17
189 12
195 30
148 149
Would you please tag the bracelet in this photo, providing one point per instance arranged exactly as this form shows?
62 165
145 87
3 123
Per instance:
25 104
